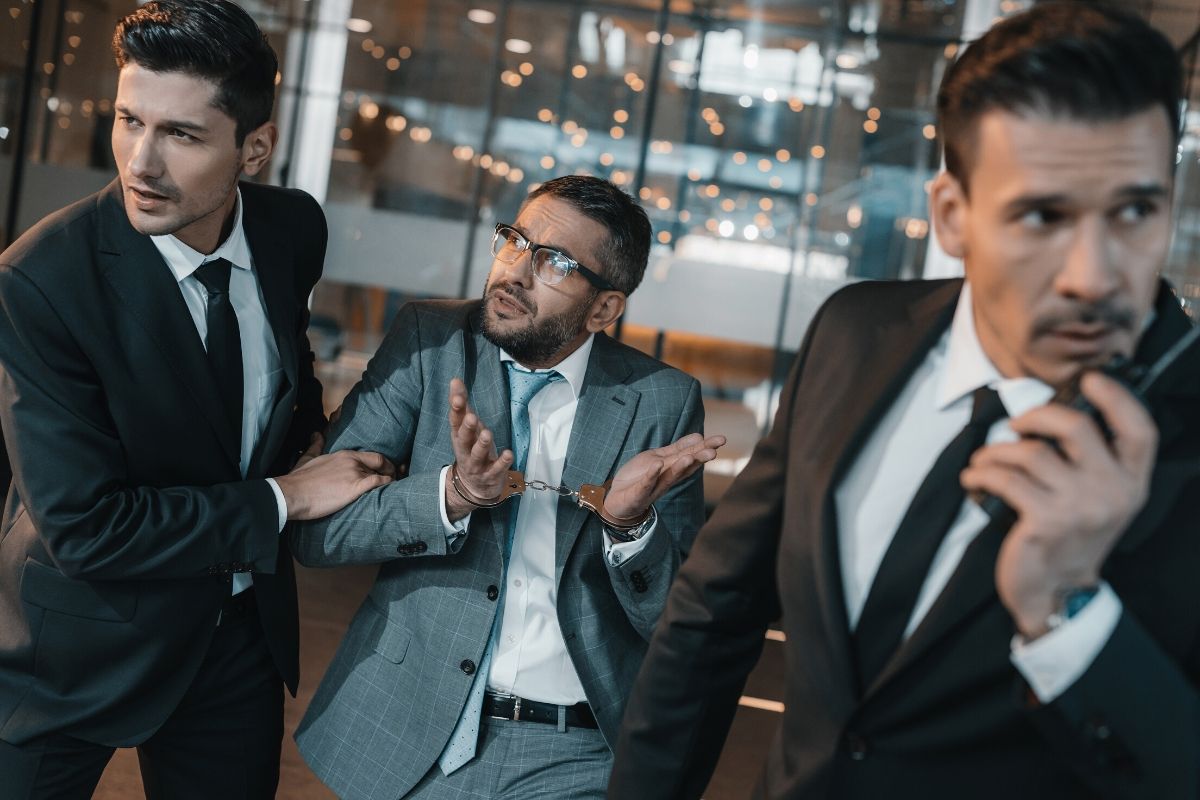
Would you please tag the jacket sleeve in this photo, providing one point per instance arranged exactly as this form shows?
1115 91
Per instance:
641 582
1129 727
711 632
380 414
70 473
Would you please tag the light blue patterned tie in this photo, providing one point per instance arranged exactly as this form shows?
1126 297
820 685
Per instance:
522 386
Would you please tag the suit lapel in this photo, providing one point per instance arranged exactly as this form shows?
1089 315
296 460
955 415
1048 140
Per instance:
488 395
890 352
602 420
273 260
139 276
973 582
273 267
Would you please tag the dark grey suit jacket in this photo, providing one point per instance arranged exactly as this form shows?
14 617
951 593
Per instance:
397 686
949 716
127 512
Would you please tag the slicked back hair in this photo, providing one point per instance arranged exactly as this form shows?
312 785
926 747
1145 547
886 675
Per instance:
211 39
1068 60
627 248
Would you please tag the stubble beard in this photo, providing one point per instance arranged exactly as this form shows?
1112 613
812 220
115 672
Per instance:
539 342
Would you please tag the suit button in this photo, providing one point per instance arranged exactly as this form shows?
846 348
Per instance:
467 666
856 746
420 547
492 593
639 581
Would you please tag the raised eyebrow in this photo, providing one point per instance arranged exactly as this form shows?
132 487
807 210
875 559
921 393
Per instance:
170 123
1152 191
191 127
552 246
1027 202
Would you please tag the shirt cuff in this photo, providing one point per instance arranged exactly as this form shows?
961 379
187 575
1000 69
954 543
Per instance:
1054 661
453 530
619 552
280 503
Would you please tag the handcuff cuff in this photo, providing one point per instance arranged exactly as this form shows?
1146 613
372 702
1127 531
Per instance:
589 496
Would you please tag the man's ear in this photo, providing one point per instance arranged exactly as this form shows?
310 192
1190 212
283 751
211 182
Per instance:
257 148
605 309
948 207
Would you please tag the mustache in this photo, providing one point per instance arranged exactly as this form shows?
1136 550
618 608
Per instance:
515 294
1105 312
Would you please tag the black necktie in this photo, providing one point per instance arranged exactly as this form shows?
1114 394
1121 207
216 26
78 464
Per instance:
906 564
223 341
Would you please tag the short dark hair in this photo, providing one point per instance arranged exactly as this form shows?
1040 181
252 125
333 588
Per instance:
211 39
627 248
1067 59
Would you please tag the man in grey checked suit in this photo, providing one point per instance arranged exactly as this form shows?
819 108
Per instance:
493 655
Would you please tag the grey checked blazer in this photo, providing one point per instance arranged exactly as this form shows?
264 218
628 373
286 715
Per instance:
396 687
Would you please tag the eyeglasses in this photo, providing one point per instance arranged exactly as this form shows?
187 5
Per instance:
549 265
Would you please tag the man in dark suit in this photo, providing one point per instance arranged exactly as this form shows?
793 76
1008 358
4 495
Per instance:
494 654
932 653
154 371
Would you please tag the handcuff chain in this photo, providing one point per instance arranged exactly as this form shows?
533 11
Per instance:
542 486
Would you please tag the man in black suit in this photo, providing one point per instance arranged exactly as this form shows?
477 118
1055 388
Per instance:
932 653
154 370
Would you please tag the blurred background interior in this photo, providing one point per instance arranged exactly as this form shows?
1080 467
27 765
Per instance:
781 147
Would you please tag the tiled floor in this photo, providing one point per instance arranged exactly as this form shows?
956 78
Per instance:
328 598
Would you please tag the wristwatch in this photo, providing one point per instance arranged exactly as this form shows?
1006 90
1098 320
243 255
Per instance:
634 533
1070 603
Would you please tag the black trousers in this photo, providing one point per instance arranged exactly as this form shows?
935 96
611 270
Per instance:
222 741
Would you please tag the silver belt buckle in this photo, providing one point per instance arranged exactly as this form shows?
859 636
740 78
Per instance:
516 709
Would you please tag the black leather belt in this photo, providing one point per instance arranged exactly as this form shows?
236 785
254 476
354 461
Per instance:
505 706
237 607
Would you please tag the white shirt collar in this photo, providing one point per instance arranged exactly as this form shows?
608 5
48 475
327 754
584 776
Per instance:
966 367
573 367
183 260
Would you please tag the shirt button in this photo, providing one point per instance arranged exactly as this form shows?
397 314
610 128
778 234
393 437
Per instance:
467 666
492 593
856 746
517 582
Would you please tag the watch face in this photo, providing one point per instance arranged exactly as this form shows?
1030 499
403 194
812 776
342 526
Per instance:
1076 599
1073 602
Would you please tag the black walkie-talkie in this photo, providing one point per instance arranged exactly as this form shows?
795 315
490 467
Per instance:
1140 379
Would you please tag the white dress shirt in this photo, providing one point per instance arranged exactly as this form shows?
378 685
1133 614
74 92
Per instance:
871 500
530 658
262 372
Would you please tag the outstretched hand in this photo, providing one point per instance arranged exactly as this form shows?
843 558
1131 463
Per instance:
481 469
648 475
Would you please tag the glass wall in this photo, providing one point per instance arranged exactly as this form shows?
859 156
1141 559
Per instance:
781 149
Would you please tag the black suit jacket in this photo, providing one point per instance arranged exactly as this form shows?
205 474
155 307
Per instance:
948 716
127 512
